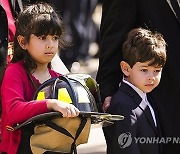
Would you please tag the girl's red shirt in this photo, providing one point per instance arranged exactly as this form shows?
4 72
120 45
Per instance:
17 92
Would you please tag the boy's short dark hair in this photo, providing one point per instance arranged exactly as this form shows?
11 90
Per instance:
143 45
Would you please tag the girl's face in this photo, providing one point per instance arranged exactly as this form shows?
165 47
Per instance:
42 48
144 77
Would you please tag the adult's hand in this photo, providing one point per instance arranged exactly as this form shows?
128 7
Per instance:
106 103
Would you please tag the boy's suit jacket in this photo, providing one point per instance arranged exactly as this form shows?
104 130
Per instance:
138 122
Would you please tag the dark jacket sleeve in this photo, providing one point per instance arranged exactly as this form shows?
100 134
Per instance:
118 18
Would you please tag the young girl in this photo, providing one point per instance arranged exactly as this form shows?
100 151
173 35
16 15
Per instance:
38 35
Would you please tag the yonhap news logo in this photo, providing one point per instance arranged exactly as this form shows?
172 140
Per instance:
126 139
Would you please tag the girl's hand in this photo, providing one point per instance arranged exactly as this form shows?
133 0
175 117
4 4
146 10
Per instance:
67 110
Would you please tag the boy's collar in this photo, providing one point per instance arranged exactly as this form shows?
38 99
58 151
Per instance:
140 92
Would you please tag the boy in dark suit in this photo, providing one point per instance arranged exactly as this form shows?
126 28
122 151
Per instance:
144 55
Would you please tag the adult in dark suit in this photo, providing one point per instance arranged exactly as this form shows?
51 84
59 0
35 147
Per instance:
119 17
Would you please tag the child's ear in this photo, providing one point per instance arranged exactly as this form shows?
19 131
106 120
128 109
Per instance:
125 68
21 41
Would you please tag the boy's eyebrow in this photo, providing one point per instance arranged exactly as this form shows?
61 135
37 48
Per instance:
145 65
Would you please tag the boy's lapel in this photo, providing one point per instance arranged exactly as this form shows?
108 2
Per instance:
175 8
144 107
